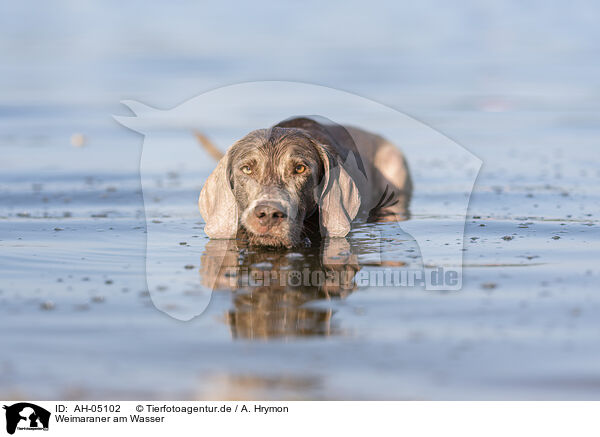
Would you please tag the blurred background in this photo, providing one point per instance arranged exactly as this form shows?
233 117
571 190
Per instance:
516 83
71 62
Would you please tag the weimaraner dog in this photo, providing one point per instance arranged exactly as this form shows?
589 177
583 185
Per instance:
303 179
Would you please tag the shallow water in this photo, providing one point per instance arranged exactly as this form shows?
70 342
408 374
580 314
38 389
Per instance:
77 319
82 323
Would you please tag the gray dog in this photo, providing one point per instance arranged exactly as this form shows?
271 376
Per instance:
301 180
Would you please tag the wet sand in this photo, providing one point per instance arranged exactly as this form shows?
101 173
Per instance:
82 323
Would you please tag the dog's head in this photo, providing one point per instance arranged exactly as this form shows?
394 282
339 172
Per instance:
270 181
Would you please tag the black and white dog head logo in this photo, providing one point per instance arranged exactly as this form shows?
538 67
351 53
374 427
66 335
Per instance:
26 416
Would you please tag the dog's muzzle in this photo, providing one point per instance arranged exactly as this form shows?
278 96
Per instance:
269 213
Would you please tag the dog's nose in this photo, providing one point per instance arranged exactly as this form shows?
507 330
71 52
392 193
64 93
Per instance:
269 214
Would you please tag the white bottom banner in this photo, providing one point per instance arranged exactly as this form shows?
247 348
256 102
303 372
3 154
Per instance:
23 418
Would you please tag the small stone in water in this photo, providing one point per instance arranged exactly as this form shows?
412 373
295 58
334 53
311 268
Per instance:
47 306
78 140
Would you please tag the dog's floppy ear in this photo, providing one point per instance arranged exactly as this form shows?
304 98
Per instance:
337 196
217 203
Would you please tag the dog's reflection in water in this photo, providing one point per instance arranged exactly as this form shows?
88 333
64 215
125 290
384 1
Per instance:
271 288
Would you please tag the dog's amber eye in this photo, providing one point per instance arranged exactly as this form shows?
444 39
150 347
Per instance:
300 168
246 169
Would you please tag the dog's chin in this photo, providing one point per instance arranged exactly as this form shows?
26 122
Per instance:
272 238
268 241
